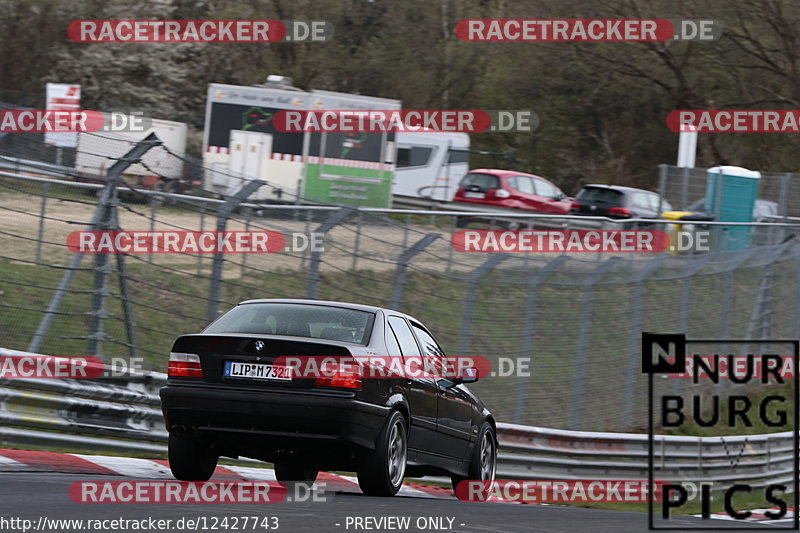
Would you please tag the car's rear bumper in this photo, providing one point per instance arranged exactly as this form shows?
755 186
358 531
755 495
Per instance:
272 419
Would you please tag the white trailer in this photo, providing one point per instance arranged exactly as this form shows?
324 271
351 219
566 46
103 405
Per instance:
429 164
96 152
240 144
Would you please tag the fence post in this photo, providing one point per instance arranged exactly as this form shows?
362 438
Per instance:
583 338
334 219
124 293
357 241
43 209
402 263
100 216
469 299
695 264
783 206
202 229
153 210
247 229
662 185
223 213
635 342
685 189
537 279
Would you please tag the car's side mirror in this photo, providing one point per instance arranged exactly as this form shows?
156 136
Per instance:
467 375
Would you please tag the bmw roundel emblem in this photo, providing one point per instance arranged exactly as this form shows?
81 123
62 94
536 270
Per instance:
259 346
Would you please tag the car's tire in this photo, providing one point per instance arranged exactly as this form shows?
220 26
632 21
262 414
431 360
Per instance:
381 471
290 472
191 460
483 462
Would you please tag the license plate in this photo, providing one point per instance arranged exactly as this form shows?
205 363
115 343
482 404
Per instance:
475 195
257 371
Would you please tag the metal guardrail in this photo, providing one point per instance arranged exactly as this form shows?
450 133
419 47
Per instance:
121 414
539 453
116 413
426 208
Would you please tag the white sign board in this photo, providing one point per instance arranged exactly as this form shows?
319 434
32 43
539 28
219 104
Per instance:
63 97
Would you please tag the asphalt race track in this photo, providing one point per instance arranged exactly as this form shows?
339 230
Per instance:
30 495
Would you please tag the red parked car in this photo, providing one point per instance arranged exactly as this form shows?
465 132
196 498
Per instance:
510 189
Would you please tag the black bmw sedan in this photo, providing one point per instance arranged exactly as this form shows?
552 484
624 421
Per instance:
229 393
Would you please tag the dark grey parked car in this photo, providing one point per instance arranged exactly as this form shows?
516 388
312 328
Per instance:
615 201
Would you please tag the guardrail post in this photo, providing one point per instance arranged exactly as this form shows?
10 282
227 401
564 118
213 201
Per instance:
465 338
402 263
223 213
530 328
100 219
583 338
334 219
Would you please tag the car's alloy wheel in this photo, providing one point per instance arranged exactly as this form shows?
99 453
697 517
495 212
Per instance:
191 460
381 471
488 456
397 452
483 462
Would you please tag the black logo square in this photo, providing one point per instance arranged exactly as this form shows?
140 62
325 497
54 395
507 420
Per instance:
663 353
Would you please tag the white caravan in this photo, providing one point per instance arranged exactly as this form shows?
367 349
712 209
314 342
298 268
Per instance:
430 164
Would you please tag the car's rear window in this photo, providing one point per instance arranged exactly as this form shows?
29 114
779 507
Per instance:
480 181
601 194
297 320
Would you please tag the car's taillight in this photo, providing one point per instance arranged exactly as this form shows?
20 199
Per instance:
341 381
338 375
184 365
619 211
573 205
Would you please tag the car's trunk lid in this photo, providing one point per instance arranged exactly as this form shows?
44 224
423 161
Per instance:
233 351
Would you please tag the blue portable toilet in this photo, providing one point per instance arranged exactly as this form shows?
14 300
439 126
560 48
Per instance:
731 194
